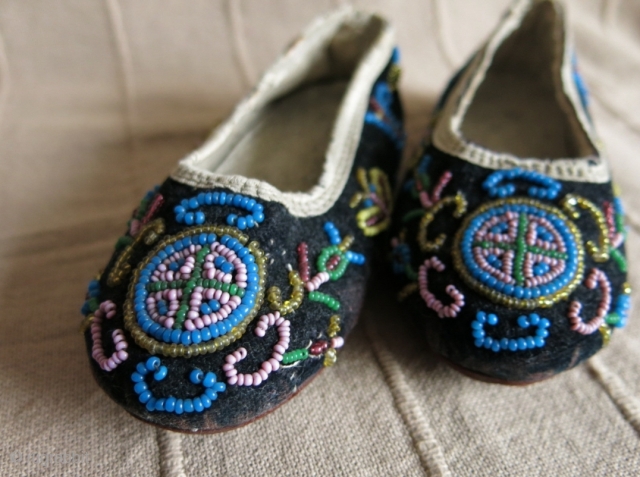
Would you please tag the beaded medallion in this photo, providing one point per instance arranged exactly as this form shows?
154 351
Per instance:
196 292
520 252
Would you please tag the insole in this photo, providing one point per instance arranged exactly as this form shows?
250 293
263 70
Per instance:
286 145
514 113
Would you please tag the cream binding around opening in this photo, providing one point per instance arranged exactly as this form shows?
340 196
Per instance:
517 105
294 139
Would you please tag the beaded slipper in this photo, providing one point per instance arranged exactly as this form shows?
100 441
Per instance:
509 236
239 277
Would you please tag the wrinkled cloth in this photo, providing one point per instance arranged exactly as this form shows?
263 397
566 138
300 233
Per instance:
98 100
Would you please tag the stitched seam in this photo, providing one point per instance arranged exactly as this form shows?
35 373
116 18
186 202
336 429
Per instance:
423 437
170 453
615 387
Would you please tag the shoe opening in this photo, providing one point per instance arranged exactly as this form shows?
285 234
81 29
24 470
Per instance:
520 108
284 139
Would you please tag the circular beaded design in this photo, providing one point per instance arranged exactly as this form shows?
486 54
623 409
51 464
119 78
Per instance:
196 292
520 252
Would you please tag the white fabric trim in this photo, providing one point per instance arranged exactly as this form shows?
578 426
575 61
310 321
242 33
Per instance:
285 74
447 134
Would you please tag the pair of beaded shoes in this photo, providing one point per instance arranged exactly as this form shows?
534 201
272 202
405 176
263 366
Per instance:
239 277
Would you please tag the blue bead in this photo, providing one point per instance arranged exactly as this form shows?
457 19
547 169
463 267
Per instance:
223 197
229 199
479 342
170 404
160 404
544 323
231 219
534 319
492 319
539 340
237 200
153 363
179 409
196 376
189 218
142 369
530 342
151 404
188 405
209 379
205 309
208 198
513 345
199 217
206 401
196 336
258 217
522 344
140 387
504 343
495 346
166 334
205 333
160 374
193 203
475 325
488 341
185 338
215 198
542 332
523 322
478 334
211 394
219 387
481 317
144 396
201 197
250 222
175 336
197 405
137 377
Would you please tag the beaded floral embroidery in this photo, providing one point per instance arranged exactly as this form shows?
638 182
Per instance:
519 252
197 292
376 198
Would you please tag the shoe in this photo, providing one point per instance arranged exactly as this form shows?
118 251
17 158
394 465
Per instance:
508 233
240 276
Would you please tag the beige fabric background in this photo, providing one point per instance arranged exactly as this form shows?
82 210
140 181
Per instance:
98 99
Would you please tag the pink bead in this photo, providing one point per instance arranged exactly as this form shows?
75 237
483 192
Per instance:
231 359
248 379
263 374
224 298
266 366
169 322
232 380
279 349
199 323
275 364
257 379
337 342
122 355
188 324
227 366
277 356
240 379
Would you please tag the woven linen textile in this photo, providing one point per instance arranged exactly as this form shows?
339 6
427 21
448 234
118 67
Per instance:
99 99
